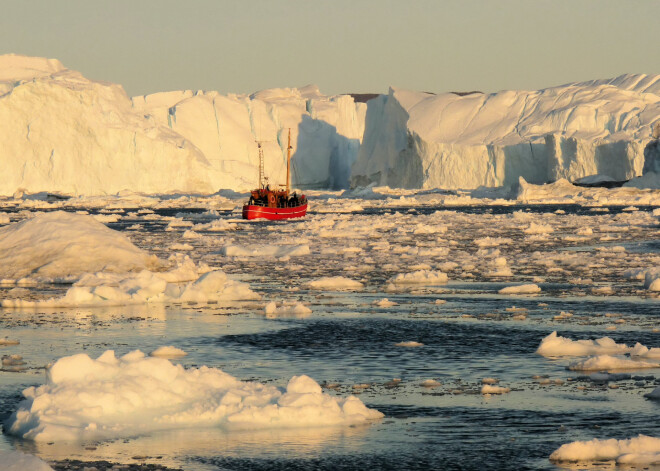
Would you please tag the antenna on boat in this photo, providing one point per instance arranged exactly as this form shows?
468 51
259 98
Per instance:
262 178
288 165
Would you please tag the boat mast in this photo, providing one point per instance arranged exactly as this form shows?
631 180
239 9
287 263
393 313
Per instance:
288 165
262 181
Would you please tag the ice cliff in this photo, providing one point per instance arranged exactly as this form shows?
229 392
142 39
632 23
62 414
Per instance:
421 140
63 132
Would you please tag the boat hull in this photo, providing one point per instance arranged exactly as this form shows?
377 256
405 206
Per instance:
273 214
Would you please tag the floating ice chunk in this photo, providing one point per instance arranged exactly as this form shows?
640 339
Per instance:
490 389
655 394
555 346
63 246
424 229
181 247
277 251
420 277
178 223
521 289
492 241
334 283
18 461
190 234
431 383
12 360
108 289
641 449
607 362
7 341
489 381
4 218
118 397
219 225
385 303
652 279
640 350
294 309
409 343
538 229
168 352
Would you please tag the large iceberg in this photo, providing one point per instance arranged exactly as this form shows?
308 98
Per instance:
421 140
63 132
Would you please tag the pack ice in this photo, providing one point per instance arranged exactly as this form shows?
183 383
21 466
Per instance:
106 267
110 397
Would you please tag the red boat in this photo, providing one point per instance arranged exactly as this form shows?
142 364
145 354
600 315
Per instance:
274 204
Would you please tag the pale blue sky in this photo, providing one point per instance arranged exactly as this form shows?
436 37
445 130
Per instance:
342 45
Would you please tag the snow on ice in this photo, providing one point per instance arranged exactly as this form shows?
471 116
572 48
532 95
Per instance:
109 397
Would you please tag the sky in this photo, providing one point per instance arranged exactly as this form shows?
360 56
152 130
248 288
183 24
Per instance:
343 46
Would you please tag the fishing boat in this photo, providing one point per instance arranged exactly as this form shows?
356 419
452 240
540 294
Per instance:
275 204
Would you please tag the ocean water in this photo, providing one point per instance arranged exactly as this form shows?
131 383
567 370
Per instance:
469 332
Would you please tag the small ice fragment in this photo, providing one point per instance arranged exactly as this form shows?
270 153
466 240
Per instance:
168 352
410 343
489 389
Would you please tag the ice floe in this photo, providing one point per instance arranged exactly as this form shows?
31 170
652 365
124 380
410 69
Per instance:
555 346
521 289
277 251
168 351
331 283
109 397
292 309
63 246
420 277
640 449
608 362
109 289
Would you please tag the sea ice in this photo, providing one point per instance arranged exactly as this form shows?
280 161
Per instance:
608 362
521 289
63 246
110 289
490 389
331 283
294 309
420 277
168 351
640 449
110 397
555 346
277 251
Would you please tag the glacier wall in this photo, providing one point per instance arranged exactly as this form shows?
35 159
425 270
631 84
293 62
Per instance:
63 132
421 140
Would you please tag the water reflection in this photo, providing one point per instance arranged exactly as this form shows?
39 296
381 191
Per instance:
175 448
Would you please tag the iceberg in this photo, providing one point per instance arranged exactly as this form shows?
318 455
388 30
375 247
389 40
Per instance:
62 132
463 141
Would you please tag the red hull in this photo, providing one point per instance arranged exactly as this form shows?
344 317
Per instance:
254 212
